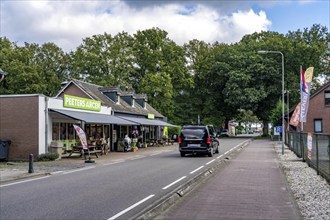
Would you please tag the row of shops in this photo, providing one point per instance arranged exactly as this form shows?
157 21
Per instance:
34 123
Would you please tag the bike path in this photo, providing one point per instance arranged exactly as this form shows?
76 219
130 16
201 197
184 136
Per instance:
251 186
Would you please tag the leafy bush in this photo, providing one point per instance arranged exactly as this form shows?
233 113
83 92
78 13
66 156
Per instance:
173 130
48 157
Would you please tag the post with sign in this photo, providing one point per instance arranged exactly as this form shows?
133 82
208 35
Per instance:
278 131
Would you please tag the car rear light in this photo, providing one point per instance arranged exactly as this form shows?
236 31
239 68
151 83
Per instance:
208 140
179 140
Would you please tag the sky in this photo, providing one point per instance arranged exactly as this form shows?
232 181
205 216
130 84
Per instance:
66 23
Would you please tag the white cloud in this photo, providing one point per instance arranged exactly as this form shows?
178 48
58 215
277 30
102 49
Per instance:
249 22
66 23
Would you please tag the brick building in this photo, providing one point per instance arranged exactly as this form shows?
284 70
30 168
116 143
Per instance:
318 115
34 122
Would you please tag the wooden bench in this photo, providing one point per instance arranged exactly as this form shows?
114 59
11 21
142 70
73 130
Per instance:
91 150
160 142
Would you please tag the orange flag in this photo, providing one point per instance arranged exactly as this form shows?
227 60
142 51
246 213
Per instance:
295 116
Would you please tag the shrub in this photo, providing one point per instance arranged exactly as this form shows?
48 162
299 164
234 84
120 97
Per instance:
48 157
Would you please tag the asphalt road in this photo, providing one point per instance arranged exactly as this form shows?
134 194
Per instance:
117 190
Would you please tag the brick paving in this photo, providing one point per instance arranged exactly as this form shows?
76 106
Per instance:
252 186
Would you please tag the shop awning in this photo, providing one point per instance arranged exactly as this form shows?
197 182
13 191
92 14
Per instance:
145 121
94 118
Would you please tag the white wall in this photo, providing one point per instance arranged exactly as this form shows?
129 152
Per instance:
42 129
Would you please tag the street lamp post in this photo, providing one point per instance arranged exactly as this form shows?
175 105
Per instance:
278 52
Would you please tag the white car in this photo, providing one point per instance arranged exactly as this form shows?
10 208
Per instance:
224 133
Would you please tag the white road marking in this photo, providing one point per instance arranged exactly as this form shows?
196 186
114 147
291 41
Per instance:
156 154
196 169
24 181
210 162
82 169
114 162
131 207
171 184
220 156
57 172
136 157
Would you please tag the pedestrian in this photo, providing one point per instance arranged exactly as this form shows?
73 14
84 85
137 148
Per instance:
127 142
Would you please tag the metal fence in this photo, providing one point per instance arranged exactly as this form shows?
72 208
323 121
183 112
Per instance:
316 154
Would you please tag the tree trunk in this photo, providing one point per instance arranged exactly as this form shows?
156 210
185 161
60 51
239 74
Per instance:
265 130
226 124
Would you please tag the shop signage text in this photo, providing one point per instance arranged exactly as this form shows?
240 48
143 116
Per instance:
81 103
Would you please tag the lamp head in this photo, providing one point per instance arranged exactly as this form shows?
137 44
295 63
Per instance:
263 51
2 75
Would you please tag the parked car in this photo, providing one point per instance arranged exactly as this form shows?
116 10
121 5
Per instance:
198 139
224 133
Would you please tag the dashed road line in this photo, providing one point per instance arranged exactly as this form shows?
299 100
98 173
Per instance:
176 181
196 169
131 207
210 162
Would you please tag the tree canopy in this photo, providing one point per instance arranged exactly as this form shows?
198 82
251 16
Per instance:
212 81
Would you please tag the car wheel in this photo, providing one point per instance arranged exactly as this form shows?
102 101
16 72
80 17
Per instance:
217 150
182 154
211 153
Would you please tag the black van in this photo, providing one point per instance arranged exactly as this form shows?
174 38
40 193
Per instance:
198 139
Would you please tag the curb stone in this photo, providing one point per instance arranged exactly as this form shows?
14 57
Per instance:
22 177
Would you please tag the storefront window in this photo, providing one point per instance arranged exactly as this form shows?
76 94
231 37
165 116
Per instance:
98 132
71 132
63 132
87 130
56 131
123 131
147 132
106 133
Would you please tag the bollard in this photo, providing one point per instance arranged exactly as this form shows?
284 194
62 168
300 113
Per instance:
31 163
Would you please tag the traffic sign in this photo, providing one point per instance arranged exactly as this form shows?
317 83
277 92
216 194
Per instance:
278 129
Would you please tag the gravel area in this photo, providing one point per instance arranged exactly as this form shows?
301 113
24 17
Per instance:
311 191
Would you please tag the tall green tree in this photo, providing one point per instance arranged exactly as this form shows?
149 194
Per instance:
104 60
159 70
52 65
247 118
32 68
310 48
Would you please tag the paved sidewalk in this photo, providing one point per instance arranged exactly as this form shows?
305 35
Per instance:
14 171
252 186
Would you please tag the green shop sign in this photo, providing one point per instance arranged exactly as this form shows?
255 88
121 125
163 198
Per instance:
81 103
151 116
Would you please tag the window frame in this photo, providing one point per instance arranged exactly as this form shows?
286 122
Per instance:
327 100
321 123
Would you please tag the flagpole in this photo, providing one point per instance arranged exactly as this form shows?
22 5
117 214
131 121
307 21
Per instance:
301 123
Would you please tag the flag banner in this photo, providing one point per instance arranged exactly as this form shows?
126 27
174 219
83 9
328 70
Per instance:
306 84
295 116
82 136
309 145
